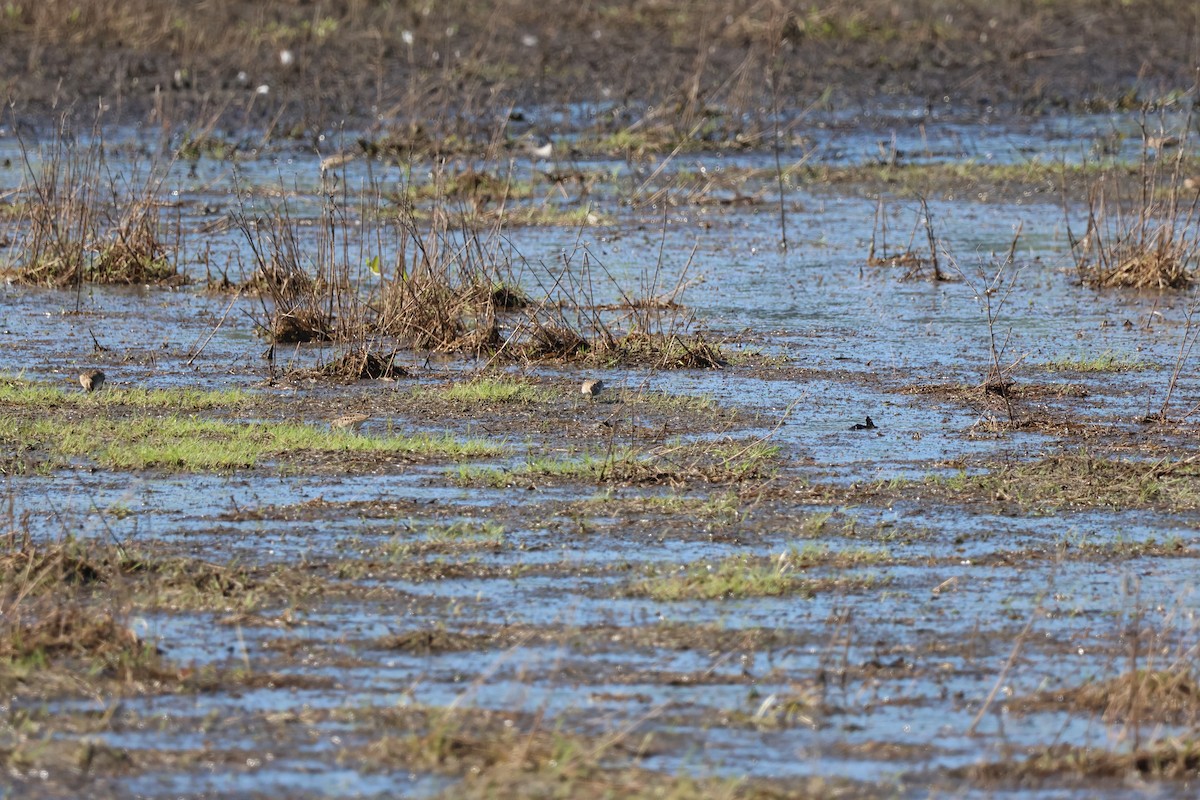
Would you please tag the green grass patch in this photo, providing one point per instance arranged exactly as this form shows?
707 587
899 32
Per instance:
500 391
490 390
463 535
19 392
727 462
586 467
732 578
554 216
480 186
724 506
1107 361
746 576
192 444
487 531
822 555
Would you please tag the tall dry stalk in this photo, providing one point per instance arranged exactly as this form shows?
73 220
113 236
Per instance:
992 293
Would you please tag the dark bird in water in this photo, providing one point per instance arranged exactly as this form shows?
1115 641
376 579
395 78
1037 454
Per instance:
869 425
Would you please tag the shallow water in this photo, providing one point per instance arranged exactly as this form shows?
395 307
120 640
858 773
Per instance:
918 649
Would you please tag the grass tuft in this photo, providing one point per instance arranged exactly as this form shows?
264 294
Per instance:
1107 361
747 576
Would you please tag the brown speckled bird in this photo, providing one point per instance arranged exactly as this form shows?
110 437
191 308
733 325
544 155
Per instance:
349 422
591 388
92 380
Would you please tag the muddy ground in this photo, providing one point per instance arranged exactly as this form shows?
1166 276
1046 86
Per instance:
459 66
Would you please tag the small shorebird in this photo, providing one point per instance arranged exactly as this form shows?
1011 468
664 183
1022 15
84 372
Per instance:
349 422
869 425
92 380
336 161
541 150
592 388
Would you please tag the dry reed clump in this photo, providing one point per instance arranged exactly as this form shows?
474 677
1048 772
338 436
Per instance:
1161 696
60 212
358 364
299 325
135 253
61 645
435 281
298 307
48 613
663 351
914 263
78 225
33 570
499 296
1161 263
56 630
416 279
449 287
1177 758
553 341
278 277
1144 238
427 311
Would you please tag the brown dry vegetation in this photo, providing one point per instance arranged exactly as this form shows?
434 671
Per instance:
1173 760
1170 696
182 62
74 222
1143 233
451 286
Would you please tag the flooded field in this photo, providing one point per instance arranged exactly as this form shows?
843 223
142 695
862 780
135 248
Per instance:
888 487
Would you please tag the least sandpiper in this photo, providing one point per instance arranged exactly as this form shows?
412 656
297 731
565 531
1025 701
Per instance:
591 388
349 422
92 380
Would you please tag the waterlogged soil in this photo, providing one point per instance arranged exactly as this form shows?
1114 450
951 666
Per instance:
441 67
699 582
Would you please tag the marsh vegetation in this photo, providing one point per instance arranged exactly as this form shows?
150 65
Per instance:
485 384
